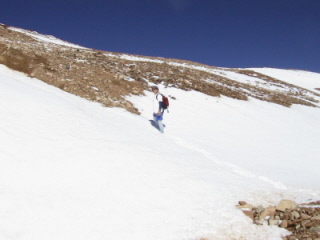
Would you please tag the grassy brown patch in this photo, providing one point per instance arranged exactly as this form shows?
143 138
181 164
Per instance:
107 78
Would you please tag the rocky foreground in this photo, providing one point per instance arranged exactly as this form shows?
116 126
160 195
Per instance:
303 220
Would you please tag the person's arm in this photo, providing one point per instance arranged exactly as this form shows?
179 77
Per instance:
160 108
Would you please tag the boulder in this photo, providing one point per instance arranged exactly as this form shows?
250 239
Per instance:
270 211
284 224
187 82
286 215
305 216
305 222
260 209
248 213
286 204
295 215
292 237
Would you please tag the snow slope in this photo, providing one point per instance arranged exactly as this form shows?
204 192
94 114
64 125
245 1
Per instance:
295 78
307 80
46 39
72 169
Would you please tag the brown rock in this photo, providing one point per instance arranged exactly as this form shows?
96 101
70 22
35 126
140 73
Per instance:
305 222
260 209
187 82
270 211
286 215
248 213
310 211
292 237
316 218
273 222
284 224
305 216
286 204
290 223
315 230
248 206
295 215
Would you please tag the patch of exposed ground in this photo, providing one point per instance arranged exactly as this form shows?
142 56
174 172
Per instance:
303 220
108 78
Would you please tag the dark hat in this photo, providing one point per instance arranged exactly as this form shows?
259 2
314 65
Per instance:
154 87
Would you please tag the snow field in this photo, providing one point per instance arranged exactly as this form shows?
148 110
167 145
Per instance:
255 135
46 38
72 169
307 80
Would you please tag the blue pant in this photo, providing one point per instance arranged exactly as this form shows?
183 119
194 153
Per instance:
158 119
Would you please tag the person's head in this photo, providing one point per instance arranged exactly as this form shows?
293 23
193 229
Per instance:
155 89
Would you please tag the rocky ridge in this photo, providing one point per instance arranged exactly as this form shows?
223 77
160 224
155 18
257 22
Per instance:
303 220
109 78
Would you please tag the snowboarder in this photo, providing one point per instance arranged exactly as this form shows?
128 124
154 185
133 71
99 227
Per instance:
158 107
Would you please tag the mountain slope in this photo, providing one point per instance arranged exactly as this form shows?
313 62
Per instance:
304 79
71 169
109 78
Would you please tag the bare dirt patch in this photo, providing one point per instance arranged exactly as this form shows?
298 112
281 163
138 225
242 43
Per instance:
108 78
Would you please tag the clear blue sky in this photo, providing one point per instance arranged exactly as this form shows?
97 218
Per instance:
224 33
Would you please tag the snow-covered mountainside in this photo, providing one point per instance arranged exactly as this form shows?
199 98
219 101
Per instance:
72 169
304 79
109 78
45 39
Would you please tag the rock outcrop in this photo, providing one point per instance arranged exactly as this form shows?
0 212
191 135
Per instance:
303 220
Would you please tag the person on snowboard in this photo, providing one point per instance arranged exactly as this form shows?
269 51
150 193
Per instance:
158 107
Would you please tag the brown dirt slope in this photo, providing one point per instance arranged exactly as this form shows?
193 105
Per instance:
109 77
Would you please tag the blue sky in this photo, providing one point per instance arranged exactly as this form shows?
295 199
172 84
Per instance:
223 33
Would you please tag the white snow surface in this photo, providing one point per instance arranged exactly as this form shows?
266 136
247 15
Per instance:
72 169
47 39
304 79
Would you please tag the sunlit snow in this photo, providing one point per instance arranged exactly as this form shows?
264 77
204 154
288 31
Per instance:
72 169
